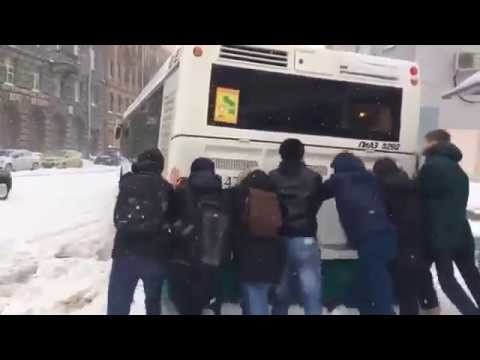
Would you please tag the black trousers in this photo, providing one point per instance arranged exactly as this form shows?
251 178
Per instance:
464 258
192 287
413 284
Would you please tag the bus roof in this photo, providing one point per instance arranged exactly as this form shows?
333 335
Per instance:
158 78
150 88
171 62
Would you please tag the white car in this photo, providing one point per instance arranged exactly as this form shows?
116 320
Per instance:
16 160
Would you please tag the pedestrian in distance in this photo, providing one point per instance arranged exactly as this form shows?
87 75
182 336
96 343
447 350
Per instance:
299 189
142 217
201 236
258 249
413 283
445 188
362 213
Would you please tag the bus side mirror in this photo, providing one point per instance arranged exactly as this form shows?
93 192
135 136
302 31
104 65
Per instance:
118 132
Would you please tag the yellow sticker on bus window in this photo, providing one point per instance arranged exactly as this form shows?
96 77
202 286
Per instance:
226 106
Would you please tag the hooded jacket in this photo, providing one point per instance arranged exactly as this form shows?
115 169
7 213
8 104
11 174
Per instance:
445 188
148 245
359 199
299 189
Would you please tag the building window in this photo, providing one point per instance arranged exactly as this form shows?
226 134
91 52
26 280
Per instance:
111 102
58 47
36 81
119 68
139 79
10 72
76 49
112 69
76 90
57 86
134 78
120 104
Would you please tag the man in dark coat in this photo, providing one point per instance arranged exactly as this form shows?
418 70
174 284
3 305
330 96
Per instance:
260 260
299 189
411 272
194 283
363 216
445 188
142 255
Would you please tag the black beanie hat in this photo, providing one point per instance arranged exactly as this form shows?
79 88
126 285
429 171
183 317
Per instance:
154 155
292 149
202 164
385 166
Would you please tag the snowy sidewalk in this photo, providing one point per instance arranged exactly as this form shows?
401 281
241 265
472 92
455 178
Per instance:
56 236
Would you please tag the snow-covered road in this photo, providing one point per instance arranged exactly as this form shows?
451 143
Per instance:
55 240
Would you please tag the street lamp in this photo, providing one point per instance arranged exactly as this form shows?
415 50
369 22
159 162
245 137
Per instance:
470 86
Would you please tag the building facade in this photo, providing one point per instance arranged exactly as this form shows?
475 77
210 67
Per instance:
439 73
129 69
51 97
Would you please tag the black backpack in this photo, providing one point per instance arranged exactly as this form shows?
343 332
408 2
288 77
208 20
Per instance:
204 231
141 204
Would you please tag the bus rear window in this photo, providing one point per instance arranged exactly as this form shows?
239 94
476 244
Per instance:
278 102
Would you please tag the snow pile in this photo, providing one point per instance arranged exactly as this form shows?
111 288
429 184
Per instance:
56 241
61 286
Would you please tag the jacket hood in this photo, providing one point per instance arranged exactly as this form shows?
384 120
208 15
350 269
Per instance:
448 150
258 179
147 166
205 181
346 162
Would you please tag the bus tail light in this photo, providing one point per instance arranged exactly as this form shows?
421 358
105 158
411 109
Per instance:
413 71
197 51
414 81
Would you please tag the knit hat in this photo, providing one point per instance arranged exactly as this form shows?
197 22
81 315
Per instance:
202 164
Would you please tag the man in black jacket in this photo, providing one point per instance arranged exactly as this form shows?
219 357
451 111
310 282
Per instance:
299 189
411 271
141 254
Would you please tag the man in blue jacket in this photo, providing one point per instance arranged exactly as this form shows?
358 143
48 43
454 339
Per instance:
363 216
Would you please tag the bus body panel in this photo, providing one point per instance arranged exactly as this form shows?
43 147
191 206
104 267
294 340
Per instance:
185 133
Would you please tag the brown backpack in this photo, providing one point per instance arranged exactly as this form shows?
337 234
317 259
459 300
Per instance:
262 214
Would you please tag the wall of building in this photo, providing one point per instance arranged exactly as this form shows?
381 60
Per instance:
129 69
469 142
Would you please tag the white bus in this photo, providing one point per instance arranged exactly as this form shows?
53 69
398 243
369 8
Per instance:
236 103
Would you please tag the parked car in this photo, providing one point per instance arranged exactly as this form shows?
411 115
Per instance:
16 160
111 157
5 184
62 159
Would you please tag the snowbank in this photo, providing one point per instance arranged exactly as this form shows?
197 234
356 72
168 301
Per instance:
55 245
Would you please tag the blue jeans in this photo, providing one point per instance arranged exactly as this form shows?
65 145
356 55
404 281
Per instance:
373 289
255 298
126 271
302 272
